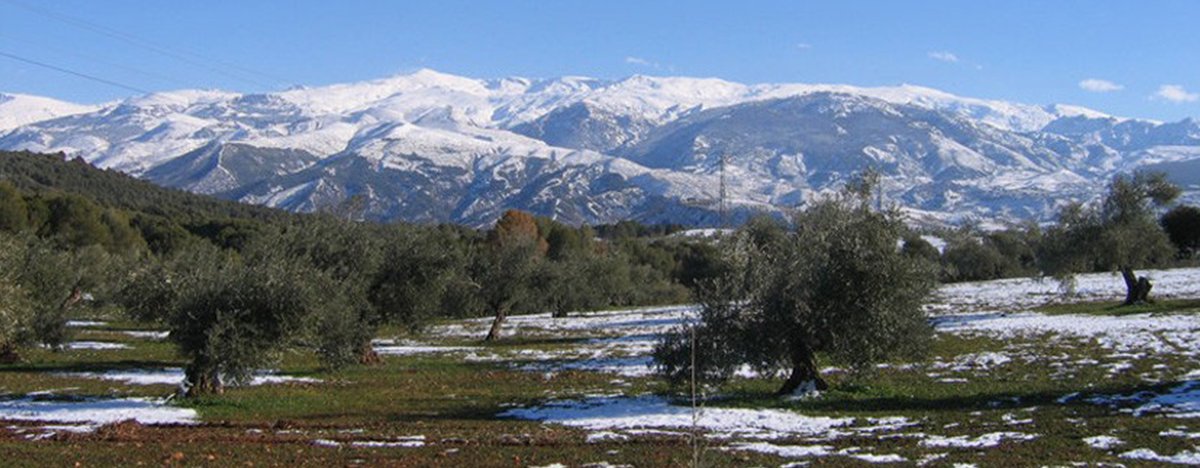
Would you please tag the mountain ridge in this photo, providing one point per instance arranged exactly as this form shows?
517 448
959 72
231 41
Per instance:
438 147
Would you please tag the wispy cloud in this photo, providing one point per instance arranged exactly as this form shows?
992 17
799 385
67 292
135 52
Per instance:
943 56
1097 85
641 61
1174 93
803 46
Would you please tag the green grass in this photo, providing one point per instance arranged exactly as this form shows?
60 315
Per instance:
1162 306
454 403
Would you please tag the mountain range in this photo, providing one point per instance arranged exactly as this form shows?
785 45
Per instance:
434 147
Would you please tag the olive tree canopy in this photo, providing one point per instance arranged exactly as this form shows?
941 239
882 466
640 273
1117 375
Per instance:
835 283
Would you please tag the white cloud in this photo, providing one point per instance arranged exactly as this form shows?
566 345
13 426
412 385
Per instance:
803 46
1097 85
944 56
640 61
1174 93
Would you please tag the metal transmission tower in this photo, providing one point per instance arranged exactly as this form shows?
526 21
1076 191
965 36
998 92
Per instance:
724 207
701 147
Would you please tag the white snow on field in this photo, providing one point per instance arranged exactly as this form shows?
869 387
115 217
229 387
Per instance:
396 442
1182 458
977 361
1181 401
1180 433
806 451
631 328
149 335
96 345
620 342
617 342
987 440
173 376
605 436
388 443
610 413
1173 333
76 428
97 411
85 323
1019 294
1102 442
389 348
787 451
639 366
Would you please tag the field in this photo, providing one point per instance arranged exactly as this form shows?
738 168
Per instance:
1018 375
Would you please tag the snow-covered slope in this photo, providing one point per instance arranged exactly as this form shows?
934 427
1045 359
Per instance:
21 109
439 147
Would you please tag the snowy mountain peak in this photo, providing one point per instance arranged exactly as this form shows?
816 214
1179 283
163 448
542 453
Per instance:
433 146
182 99
22 109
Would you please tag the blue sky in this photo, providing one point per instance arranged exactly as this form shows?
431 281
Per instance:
1138 59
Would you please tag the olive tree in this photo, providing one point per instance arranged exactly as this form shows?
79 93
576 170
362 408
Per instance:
40 286
1120 234
1182 224
227 315
16 306
505 265
345 256
835 283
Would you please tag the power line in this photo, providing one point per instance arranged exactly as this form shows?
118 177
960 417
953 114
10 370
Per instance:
73 72
183 56
135 70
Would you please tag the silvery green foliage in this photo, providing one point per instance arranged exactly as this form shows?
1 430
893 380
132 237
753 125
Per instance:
833 283
16 307
38 285
230 315
1122 232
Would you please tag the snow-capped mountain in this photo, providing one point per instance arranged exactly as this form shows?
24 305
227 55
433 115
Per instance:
429 146
20 109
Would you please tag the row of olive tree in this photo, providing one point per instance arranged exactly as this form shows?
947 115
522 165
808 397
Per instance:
526 265
836 282
237 286
329 285
1121 233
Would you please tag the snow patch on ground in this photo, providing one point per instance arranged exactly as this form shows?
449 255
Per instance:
987 440
807 451
174 376
408 350
976 361
85 323
1017 294
605 436
148 335
1102 442
95 411
1182 458
1131 334
653 412
96 345
1179 432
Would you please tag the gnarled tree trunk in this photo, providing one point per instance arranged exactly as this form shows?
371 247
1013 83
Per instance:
804 371
367 355
494 332
9 354
72 299
203 380
1137 289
